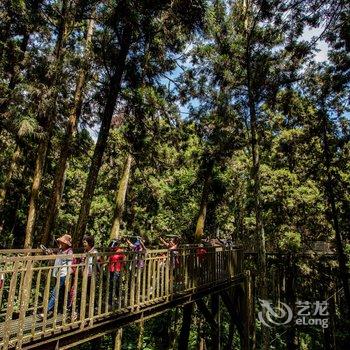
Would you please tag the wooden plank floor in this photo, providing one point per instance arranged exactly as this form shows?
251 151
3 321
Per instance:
28 323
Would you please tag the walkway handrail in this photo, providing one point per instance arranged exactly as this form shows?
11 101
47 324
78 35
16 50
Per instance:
88 291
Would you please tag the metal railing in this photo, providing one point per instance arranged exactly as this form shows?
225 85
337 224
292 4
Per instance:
90 292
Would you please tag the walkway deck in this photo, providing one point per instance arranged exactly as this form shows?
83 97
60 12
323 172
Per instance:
90 306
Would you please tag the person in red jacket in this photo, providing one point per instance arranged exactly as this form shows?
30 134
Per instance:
116 263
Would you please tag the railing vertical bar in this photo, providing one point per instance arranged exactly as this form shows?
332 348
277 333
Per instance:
162 279
74 294
132 284
218 264
25 296
108 296
3 281
99 307
149 278
157 272
171 273
144 274
10 306
166 266
120 288
36 299
154 282
92 289
84 292
46 298
213 268
192 269
57 296
126 301
22 270
66 298
138 285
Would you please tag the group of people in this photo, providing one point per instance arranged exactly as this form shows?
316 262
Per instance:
64 265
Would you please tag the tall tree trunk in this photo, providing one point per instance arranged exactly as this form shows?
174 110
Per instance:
120 198
118 215
343 269
66 146
204 201
255 174
185 328
49 124
113 92
34 193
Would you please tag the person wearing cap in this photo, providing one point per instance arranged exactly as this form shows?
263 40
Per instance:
60 271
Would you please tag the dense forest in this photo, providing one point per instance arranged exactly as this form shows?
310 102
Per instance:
192 118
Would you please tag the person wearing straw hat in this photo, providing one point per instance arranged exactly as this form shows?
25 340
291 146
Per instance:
60 271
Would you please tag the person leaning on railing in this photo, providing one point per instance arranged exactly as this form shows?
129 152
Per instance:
62 268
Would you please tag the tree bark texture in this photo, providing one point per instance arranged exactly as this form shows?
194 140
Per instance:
113 92
186 325
204 201
49 116
66 146
120 198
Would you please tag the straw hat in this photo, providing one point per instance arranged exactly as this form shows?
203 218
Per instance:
66 239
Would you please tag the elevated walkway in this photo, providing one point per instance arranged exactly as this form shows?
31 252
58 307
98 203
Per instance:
92 303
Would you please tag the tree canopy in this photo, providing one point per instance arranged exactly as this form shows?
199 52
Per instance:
196 118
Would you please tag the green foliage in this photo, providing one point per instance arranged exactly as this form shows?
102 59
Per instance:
218 59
